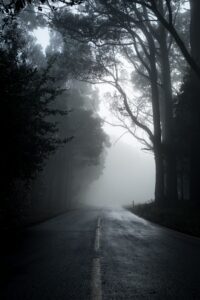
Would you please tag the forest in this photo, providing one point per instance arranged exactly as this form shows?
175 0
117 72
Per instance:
53 142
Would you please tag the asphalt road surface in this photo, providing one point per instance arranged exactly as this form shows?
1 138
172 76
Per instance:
100 254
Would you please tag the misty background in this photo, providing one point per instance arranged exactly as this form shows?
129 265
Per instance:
98 110
128 173
128 176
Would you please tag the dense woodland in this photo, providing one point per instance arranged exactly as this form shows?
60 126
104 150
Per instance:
53 144
147 51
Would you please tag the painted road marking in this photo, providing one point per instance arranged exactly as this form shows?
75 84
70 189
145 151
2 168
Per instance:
97 236
98 222
96 280
96 266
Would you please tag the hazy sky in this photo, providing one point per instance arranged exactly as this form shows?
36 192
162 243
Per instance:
42 35
128 176
129 172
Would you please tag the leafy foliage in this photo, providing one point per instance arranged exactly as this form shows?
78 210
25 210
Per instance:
15 6
28 137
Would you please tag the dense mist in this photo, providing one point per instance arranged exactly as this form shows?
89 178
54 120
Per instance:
100 142
128 177
99 63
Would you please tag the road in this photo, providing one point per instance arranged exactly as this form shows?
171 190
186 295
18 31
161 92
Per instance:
100 254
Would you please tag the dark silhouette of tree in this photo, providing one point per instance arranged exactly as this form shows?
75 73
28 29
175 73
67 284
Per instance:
72 168
15 6
183 126
188 116
28 138
195 104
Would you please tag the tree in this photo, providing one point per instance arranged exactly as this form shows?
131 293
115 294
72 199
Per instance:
13 7
28 138
70 170
113 25
195 105
183 128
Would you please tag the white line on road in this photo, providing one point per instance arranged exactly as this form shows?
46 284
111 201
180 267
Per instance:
96 279
98 222
96 267
97 236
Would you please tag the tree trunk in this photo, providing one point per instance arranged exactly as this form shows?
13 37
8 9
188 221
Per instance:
195 134
167 118
153 76
195 30
159 185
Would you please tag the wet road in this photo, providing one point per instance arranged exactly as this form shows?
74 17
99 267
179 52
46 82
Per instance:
100 254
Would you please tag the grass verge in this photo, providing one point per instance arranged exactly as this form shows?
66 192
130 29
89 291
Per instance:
181 217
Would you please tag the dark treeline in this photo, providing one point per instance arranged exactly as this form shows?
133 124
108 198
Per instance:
52 142
98 41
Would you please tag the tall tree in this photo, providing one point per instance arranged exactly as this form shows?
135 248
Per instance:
195 133
28 138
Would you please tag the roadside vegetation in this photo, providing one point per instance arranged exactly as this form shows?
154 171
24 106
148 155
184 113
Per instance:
182 217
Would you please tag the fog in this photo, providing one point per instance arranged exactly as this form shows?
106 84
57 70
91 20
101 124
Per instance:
100 144
129 172
128 176
94 92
